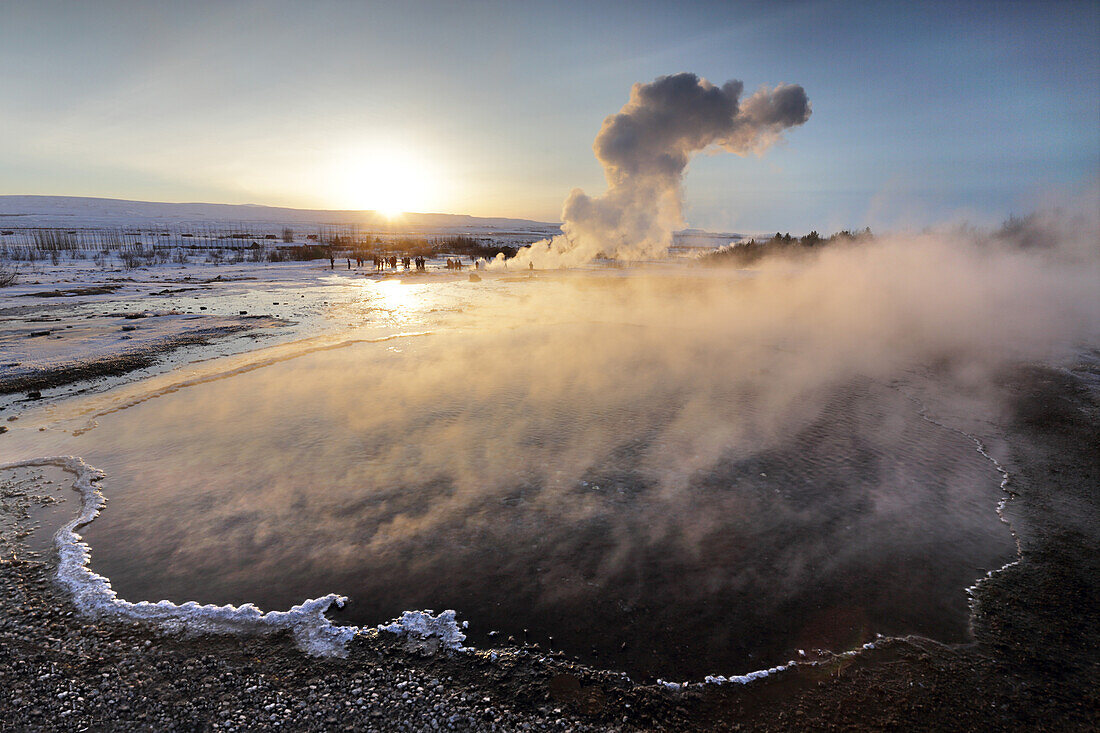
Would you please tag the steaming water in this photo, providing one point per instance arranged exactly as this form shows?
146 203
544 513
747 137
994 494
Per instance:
641 505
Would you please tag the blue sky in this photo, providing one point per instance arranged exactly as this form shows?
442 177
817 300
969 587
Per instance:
922 112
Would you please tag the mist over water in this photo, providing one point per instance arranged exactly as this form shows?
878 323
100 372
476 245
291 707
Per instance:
672 470
604 524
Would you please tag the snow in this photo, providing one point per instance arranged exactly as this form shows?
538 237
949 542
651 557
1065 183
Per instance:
79 318
744 679
420 626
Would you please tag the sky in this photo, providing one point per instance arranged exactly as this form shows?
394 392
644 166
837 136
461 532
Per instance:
923 113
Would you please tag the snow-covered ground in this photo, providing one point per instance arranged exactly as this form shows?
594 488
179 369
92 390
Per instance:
63 325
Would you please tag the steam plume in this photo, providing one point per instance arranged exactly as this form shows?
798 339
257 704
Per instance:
644 150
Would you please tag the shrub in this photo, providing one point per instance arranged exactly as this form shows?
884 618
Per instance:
306 253
463 245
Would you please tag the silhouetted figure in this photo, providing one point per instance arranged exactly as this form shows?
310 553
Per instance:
331 262
349 263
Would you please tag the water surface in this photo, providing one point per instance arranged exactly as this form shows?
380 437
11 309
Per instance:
641 492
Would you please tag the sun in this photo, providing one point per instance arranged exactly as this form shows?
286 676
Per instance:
387 179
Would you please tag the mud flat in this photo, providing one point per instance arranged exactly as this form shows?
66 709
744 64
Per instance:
1032 664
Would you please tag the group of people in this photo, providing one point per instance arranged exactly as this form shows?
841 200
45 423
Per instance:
381 263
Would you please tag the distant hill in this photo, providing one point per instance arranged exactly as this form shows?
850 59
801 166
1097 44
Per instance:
83 212
79 212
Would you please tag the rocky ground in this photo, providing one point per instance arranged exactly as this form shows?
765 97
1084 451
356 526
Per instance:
1032 666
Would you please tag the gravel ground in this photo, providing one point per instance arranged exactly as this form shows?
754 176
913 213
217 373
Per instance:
1032 665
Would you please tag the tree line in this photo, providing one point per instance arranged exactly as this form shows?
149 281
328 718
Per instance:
747 253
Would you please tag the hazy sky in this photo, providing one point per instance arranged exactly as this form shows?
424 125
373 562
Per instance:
922 112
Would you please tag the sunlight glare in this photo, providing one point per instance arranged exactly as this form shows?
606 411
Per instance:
395 295
389 180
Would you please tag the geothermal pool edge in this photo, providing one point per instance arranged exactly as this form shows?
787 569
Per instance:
1030 664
